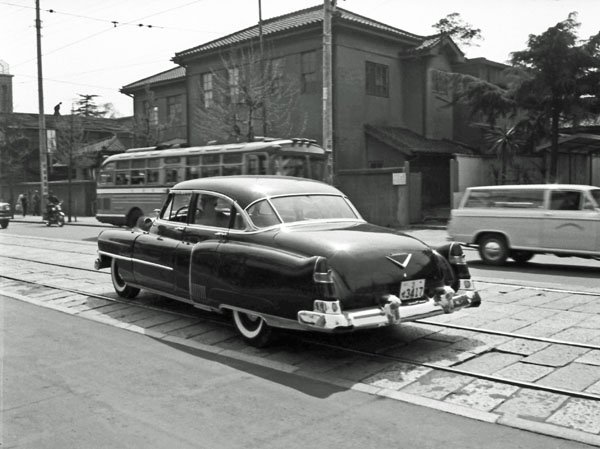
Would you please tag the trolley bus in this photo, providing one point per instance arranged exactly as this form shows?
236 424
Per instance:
134 184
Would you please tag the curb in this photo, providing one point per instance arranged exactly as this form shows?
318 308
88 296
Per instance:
72 223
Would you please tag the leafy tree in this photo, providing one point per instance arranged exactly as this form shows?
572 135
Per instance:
146 129
562 78
248 96
70 140
86 106
15 151
462 33
555 81
504 142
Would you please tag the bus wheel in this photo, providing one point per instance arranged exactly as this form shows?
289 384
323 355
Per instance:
132 217
122 289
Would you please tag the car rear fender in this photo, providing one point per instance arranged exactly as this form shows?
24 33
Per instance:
117 244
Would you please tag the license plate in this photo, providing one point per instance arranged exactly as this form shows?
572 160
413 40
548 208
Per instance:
412 289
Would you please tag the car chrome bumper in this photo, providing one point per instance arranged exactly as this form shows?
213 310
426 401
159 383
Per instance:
392 312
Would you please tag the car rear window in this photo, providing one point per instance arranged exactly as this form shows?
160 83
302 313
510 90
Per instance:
505 198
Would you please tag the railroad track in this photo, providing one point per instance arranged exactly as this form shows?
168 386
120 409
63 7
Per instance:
351 344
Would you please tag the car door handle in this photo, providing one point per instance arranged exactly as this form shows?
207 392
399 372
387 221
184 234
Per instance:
180 228
221 234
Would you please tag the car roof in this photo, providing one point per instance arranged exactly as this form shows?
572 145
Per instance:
536 187
247 189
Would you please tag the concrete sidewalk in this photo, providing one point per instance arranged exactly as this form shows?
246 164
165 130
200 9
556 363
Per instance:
75 221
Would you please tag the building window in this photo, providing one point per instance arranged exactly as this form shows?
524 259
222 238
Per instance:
377 79
207 89
309 72
174 109
233 75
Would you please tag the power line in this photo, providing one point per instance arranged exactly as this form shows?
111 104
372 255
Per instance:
114 23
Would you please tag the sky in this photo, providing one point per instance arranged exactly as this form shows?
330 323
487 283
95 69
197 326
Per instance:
97 47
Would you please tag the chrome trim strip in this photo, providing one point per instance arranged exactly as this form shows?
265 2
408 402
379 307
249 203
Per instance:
125 190
132 259
271 320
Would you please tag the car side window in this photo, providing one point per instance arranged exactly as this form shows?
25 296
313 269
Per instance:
212 210
565 200
262 214
177 207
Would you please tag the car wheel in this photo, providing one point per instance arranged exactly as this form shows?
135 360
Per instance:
493 249
252 328
122 289
4 224
521 256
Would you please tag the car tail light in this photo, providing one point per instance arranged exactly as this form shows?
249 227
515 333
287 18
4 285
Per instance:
454 254
323 278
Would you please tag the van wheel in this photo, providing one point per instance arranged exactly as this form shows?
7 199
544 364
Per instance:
122 289
521 256
493 249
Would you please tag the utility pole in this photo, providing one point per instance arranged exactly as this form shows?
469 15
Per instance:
328 9
42 117
262 70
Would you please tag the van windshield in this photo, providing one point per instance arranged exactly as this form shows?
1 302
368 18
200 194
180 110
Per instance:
596 194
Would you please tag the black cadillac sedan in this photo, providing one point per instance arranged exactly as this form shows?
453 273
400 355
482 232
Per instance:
282 252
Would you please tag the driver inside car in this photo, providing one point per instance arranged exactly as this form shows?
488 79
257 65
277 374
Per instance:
207 213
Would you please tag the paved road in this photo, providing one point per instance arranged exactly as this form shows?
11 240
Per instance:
544 270
531 312
73 383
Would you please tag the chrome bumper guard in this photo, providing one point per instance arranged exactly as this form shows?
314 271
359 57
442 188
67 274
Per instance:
392 312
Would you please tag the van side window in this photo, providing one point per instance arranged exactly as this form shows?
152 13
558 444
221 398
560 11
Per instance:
565 200
506 198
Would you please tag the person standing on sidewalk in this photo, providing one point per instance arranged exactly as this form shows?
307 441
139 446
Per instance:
23 202
36 203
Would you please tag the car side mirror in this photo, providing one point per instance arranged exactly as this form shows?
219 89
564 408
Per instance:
146 224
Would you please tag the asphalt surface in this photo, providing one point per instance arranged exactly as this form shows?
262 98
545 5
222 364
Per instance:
559 315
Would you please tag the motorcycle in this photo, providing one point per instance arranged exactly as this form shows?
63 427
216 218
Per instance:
54 215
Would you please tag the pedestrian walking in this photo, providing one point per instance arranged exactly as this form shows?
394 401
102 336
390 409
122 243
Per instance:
36 203
23 202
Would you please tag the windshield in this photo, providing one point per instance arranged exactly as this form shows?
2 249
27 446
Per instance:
596 194
289 209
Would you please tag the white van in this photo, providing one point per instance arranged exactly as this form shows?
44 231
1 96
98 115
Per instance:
518 221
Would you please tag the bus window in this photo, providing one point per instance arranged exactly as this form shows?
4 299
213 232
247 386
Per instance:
211 170
211 165
122 178
291 166
107 174
256 164
317 169
138 177
153 176
171 175
192 170
232 164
